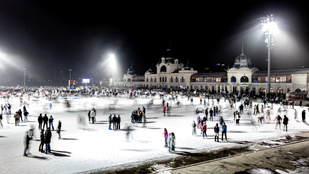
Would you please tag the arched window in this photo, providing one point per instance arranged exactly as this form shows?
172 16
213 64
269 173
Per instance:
147 80
233 79
244 79
171 79
176 80
129 80
164 79
163 69
151 80
182 79
155 79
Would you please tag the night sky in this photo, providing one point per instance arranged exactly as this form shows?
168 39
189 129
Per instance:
53 36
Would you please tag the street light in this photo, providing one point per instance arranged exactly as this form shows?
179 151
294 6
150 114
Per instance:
70 70
24 71
269 26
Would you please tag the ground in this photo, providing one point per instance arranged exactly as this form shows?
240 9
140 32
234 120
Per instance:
86 147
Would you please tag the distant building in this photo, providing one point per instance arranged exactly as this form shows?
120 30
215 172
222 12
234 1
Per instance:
242 78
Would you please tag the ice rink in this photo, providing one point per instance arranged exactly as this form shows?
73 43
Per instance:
91 147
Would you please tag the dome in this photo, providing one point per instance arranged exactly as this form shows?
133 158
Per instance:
242 61
130 71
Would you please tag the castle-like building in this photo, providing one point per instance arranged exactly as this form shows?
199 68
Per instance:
170 73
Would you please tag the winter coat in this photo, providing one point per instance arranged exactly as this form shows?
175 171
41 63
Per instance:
48 136
204 127
40 119
285 120
216 129
224 128
45 119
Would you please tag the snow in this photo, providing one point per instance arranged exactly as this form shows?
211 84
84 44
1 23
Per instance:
93 147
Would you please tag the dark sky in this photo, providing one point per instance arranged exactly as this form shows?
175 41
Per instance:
53 36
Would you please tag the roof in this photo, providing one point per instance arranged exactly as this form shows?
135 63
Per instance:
282 72
214 74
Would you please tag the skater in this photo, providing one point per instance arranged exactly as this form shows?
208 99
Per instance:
285 123
164 110
295 114
278 118
204 130
303 115
224 130
172 138
110 122
20 113
47 140
193 128
42 141
118 122
45 120
27 142
216 130
198 121
40 120
50 121
165 133
1 120
59 129
114 122
92 115
26 116
16 116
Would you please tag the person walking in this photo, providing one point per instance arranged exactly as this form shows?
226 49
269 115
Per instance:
204 129
27 142
40 121
193 128
165 133
198 121
216 130
278 118
47 140
211 114
45 120
285 123
26 116
59 129
51 121
224 130
42 137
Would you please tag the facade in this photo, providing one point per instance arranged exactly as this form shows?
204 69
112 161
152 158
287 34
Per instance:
242 78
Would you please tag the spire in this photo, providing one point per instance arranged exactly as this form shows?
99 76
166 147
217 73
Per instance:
242 48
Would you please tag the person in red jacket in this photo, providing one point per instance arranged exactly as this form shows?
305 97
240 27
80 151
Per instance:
164 110
204 129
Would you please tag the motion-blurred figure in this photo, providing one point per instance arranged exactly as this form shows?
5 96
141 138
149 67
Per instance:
27 142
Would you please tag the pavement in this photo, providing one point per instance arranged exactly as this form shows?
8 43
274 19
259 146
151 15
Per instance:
288 158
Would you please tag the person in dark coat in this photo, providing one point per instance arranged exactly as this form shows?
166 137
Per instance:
20 113
110 122
47 140
42 136
40 120
285 123
45 120
114 122
118 122
216 130
59 129
27 142
51 121
303 115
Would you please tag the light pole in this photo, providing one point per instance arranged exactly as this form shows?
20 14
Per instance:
70 70
61 77
24 70
269 26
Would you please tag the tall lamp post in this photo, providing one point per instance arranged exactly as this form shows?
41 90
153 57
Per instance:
24 71
268 25
70 70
